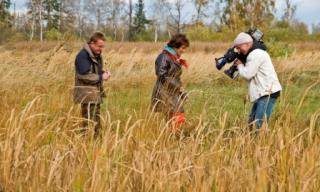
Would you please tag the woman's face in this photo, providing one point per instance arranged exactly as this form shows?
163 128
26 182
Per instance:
180 50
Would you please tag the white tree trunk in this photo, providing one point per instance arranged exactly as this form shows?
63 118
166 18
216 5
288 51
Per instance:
40 20
32 28
156 33
122 38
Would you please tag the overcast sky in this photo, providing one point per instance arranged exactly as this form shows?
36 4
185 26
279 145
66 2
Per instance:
307 10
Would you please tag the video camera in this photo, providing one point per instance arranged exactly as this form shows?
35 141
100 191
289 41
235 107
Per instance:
232 54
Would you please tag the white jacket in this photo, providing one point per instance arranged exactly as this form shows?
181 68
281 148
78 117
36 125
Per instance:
260 73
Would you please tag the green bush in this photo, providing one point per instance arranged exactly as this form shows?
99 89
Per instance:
53 35
146 35
108 38
199 33
203 33
6 32
279 49
286 32
16 37
71 37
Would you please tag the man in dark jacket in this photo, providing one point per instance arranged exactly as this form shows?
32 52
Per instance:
89 77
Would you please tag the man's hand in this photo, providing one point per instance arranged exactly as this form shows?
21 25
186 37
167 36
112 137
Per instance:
106 75
237 62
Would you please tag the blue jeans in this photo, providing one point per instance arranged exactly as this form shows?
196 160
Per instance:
261 108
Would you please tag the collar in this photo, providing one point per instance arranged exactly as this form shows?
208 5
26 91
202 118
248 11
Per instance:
174 58
170 50
86 47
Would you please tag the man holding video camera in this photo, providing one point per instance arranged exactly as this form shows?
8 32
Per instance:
258 70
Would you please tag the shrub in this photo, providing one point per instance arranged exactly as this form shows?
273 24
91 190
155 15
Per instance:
53 35
146 35
277 49
200 33
17 37
203 33
5 32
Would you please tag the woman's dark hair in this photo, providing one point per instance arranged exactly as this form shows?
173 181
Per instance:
96 36
178 40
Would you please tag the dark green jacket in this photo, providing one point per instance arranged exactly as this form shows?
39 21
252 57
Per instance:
88 77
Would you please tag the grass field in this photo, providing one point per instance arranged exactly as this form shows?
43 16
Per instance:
42 151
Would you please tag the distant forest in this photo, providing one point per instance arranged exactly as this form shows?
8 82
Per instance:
125 20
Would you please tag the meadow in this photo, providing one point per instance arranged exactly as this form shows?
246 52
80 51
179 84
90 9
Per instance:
41 149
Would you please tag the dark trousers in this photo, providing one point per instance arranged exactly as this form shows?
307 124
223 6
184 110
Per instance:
91 112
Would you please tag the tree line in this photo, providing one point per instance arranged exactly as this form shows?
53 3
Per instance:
126 20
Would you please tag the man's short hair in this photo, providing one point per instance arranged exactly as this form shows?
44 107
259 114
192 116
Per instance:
178 40
96 36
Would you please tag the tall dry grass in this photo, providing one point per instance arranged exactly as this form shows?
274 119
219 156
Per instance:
41 149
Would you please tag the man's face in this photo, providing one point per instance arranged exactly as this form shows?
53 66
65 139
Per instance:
244 48
97 47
